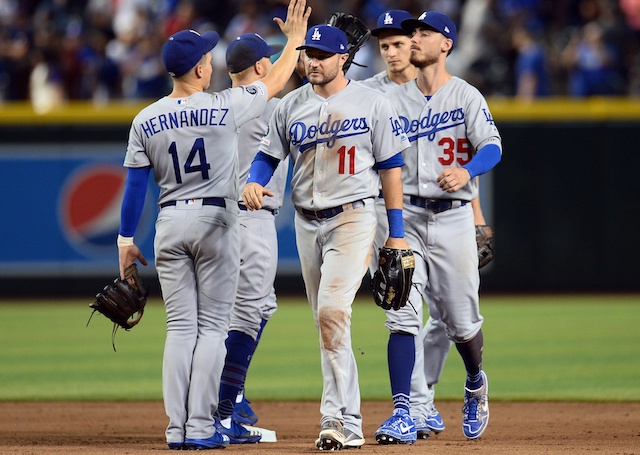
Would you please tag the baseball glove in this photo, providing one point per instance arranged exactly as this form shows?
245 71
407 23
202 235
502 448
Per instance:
484 240
391 283
121 300
357 34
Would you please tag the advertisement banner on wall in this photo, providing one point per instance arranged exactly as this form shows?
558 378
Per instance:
62 212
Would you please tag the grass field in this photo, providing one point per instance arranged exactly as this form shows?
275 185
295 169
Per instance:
557 348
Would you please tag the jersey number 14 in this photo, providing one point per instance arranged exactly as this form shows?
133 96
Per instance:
196 150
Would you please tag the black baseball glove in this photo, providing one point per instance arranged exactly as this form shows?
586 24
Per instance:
121 300
357 34
484 240
391 283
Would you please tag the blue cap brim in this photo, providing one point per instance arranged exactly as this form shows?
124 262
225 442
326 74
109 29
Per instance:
211 38
319 47
409 25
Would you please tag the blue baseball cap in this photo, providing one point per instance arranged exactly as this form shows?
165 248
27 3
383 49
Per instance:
184 49
391 20
435 20
248 49
325 38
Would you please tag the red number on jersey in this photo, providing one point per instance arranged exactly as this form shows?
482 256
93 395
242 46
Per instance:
449 151
351 154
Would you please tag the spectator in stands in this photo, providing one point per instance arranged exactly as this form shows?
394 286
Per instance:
530 70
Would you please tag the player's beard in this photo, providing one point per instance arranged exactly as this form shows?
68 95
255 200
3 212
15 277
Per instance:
422 61
325 77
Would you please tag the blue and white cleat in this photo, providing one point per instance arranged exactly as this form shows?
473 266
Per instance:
475 411
422 429
236 433
434 420
242 413
217 441
397 429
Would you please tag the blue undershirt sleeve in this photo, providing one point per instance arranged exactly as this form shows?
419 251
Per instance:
395 161
484 160
135 192
262 168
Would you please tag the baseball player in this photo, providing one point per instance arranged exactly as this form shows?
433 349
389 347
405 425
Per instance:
433 345
248 61
334 140
189 139
453 140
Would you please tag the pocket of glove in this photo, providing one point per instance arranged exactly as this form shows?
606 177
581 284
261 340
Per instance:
121 300
391 283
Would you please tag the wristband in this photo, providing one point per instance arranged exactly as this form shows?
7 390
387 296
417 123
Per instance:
396 224
124 241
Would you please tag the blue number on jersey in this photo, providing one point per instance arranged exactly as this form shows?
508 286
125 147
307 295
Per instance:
197 148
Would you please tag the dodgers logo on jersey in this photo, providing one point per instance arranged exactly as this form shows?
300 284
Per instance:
430 124
330 130
89 209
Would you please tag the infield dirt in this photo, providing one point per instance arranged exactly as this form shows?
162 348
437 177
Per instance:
136 428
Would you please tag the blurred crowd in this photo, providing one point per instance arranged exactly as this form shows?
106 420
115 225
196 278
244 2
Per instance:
52 51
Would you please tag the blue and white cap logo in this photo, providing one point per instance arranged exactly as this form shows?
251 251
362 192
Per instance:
388 19
316 35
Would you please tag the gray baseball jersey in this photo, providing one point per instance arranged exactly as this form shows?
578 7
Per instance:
182 138
380 82
334 143
191 144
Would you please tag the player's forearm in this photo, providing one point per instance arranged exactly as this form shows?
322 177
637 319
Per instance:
392 187
133 200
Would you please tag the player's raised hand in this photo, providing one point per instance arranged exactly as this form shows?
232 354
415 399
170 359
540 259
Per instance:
295 26
253 195
453 178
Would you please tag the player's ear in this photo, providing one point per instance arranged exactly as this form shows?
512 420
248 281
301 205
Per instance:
447 45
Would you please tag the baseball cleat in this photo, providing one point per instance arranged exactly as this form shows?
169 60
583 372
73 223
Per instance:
352 440
434 420
236 433
331 436
397 429
217 441
176 445
422 429
242 413
475 411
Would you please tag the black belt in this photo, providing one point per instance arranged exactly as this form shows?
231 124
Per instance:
217 201
333 211
436 205
244 208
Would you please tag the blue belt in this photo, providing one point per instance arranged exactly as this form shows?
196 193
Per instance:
217 201
333 211
244 208
436 205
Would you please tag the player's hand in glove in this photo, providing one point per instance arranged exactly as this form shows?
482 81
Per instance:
357 34
121 300
391 283
484 240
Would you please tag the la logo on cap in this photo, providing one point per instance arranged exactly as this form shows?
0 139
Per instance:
388 19
316 35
